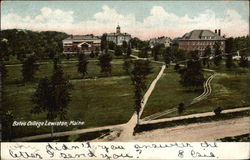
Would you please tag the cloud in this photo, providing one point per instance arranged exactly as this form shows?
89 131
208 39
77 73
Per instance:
159 22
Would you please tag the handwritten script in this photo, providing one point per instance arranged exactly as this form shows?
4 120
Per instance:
114 150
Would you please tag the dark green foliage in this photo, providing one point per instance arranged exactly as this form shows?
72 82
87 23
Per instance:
207 53
118 51
82 64
230 46
243 62
138 76
167 56
217 54
42 97
194 55
3 71
218 111
143 53
127 64
178 54
4 49
192 75
181 108
129 51
111 45
229 61
29 68
177 67
136 43
105 63
25 42
124 46
92 54
104 42
52 96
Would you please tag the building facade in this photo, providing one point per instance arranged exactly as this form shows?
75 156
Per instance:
166 41
118 37
81 44
200 39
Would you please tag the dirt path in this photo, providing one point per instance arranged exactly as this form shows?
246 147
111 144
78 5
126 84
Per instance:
128 129
198 132
197 115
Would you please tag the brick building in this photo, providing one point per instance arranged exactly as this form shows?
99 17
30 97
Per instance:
81 43
200 39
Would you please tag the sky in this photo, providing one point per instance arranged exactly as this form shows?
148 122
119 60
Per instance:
143 19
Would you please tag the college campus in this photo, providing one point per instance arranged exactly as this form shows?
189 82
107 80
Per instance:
111 84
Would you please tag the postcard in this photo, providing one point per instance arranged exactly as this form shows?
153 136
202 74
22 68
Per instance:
145 77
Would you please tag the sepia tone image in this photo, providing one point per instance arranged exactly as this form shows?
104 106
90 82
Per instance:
124 71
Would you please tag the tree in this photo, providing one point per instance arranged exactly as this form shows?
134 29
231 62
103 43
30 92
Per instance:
181 108
29 68
112 45
4 49
192 75
138 76
52 96
194 55
3 71
229 45
82 64
124 46
104 42
206 55
167 56
217 54
229 61
92 54
127 64
243 61
129 51
104 62
217 111
143 53
118 51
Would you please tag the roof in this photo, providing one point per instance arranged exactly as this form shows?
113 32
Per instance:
201 35
160 39
82 37
118 34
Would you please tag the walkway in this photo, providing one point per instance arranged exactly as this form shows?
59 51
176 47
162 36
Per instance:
210 131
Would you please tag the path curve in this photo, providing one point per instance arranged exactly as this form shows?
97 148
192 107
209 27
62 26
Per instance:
207 91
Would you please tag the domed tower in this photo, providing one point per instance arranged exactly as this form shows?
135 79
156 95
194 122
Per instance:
118 29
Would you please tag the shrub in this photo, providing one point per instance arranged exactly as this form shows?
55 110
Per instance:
217 111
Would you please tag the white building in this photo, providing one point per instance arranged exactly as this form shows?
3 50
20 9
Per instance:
166 41
118 37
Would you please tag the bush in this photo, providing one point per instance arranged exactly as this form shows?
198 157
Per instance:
217 111
181 108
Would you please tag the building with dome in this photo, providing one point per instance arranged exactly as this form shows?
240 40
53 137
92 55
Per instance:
118 37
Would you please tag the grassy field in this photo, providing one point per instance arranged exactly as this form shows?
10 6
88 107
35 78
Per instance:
70 69
99 102
168 93
230 89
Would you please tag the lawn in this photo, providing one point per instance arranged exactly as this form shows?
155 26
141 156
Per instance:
70 69
230 89
168 93
97 102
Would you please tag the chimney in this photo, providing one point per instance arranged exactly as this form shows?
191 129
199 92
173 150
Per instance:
215 31
219 32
